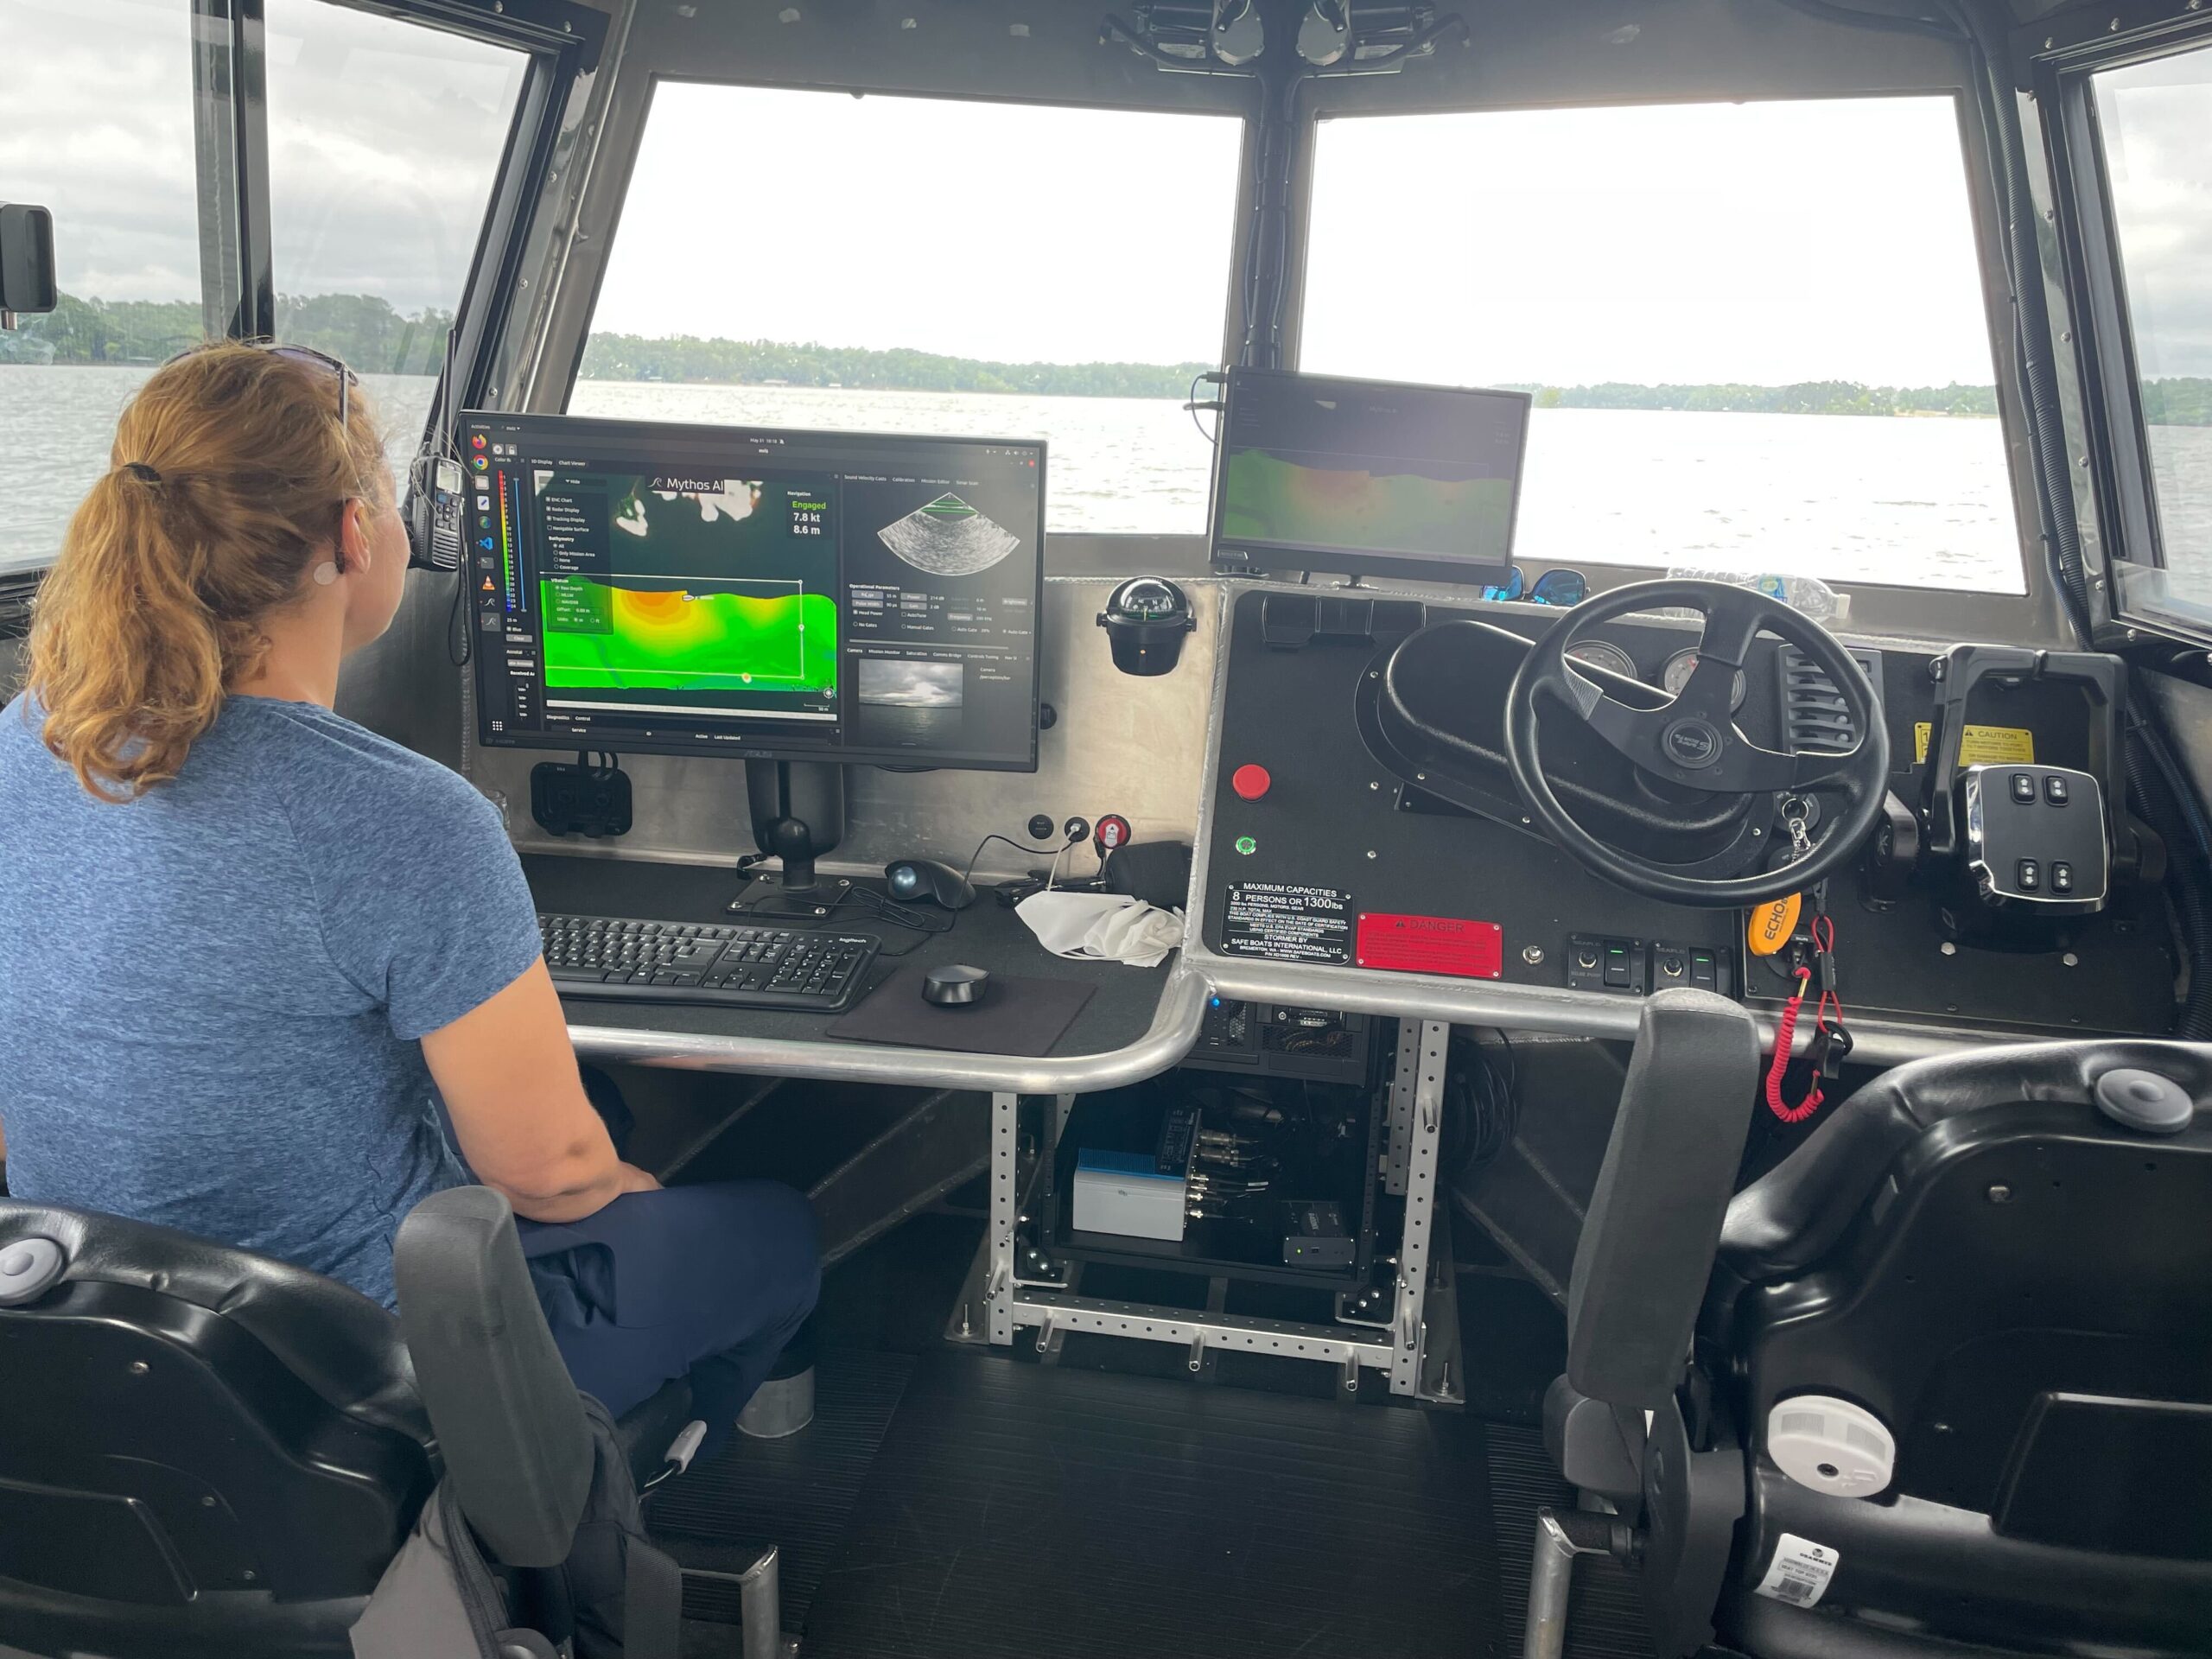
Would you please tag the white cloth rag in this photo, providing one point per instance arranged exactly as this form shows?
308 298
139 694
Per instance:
1102 927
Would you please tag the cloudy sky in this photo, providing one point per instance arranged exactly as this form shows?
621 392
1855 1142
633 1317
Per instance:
1761 243
994 230
384 138
2157 121
1764 243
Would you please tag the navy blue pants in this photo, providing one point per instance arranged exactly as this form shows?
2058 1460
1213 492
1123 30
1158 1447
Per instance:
711 1280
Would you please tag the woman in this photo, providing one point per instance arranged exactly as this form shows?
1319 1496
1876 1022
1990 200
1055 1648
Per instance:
247 946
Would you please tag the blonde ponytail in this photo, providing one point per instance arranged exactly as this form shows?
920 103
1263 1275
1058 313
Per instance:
231 469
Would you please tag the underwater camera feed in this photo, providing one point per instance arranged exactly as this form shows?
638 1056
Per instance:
1295 503
1348 471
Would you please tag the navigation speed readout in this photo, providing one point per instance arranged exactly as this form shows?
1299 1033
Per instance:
761 593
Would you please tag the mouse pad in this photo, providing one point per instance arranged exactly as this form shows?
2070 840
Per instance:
1016 1016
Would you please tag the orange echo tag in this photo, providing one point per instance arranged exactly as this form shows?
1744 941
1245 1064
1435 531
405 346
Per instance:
1772 924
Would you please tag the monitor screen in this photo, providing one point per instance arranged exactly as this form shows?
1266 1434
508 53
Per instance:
1366 477
765 594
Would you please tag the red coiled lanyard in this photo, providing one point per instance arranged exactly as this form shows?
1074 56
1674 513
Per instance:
1830 1041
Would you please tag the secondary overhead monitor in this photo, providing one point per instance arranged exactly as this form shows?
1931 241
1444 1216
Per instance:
1366 477
772 595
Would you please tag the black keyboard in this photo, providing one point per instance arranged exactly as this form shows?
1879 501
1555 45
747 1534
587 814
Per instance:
704 962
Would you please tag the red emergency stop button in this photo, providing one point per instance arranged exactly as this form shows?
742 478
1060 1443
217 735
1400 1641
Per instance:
1250 782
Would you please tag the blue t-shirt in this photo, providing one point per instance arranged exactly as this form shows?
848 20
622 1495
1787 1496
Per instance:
212 997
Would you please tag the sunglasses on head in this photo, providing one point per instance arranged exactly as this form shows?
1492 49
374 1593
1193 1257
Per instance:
302 354
308 355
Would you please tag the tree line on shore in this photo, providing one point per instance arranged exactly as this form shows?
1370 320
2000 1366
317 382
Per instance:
374 337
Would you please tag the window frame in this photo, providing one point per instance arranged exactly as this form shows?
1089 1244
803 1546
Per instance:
2113 432
1897 609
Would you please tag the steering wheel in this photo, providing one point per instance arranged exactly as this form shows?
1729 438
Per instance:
1692 741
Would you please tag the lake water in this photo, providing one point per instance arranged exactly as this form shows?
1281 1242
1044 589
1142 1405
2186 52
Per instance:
1921 502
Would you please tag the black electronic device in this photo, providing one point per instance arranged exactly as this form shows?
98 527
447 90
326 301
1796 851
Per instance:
1314 1235
436 509
2032 840
1367 477
26 278
1262 1179
956 985
930 881
769 596
2035 836
1158 872
582 799
1146 620
1319 1044
434 517
743 966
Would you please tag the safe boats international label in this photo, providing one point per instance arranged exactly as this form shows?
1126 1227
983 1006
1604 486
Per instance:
1800 1573
1287 921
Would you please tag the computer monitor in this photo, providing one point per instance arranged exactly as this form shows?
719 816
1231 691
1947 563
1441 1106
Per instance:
765 594
1367 478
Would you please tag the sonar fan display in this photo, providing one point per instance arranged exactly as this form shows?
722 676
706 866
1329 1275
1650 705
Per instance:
948 537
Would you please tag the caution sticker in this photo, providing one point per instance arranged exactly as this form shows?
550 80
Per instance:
1800 1573
1981 745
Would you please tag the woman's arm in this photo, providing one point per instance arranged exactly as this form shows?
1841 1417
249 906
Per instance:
509 1079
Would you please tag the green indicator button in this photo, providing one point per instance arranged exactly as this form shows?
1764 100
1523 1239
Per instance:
1246 844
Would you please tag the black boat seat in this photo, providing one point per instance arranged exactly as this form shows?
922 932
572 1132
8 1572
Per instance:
2015 1280
205 1451
1952 1374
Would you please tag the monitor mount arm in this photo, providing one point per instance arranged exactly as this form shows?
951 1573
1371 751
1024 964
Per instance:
799 814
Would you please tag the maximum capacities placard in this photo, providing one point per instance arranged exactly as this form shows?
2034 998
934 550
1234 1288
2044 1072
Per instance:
1287 922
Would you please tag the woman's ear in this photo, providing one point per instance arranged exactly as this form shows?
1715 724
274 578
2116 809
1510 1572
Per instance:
353 548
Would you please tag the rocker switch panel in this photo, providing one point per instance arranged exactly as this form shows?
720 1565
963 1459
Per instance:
1599 963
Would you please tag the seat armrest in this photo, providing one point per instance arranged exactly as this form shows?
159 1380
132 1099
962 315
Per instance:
1599 1448
509 1423
1654 1222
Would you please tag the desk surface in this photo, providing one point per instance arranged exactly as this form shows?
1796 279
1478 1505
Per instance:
1137 1022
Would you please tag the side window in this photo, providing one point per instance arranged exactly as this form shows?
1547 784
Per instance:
988 270
1756 333
2154 127
97 96
384 138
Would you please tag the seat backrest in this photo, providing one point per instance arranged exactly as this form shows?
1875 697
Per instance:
1647 1239
2017 1284
183 1419
517 1447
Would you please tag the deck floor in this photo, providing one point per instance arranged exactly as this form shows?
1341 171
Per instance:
950 1503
